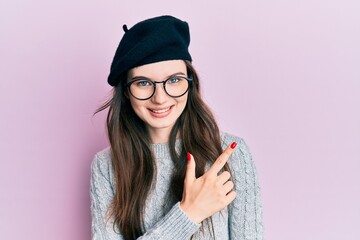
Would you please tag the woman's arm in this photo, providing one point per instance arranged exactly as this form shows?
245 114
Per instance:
245 212
175 224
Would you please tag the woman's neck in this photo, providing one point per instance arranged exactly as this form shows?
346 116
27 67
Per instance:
160 135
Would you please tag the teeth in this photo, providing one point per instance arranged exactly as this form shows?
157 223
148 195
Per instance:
161 111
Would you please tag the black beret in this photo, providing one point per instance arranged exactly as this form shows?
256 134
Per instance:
152 40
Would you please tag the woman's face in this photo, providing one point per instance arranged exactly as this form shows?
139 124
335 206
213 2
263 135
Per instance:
161 111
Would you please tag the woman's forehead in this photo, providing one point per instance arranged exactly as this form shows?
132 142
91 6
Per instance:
159 70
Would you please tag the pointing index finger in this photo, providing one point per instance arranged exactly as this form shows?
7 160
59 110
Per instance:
222 159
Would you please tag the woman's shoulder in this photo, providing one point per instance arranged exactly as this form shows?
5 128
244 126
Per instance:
227 139
104 154
242 151
101 163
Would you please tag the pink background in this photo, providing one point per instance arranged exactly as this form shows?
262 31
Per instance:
284 75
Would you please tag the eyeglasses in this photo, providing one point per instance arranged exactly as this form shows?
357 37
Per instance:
144 88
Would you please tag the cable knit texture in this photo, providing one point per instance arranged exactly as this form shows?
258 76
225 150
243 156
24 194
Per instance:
163 218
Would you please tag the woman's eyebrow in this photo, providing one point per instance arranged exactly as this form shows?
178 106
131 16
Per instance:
172 75
175 74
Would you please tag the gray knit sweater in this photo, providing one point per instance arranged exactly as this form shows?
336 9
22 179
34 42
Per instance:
164 219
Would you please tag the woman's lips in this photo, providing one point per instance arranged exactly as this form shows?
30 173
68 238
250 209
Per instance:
160 112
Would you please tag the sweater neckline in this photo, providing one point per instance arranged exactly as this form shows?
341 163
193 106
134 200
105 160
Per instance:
163 150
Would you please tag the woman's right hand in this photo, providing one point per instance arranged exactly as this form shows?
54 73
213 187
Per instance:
210 193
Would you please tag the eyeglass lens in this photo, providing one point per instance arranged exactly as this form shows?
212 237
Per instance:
174 87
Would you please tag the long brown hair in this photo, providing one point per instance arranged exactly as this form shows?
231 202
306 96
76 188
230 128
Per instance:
133 161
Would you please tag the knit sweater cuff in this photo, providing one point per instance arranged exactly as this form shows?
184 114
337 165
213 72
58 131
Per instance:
175 225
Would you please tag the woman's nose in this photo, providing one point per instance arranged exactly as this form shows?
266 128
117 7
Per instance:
160 96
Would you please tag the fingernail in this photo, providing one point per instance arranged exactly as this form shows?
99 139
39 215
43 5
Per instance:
233 145
188 155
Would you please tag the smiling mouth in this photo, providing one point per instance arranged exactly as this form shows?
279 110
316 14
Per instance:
160 110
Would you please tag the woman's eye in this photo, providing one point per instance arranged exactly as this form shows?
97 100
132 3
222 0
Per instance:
174 80
143 83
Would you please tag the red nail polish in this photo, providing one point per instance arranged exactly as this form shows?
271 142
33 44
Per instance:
188 156
233 145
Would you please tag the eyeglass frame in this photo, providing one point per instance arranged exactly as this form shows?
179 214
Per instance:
189 80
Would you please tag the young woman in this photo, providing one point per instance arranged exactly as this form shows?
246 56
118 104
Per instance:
169 173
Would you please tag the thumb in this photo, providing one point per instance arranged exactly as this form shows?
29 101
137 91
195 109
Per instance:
190 169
